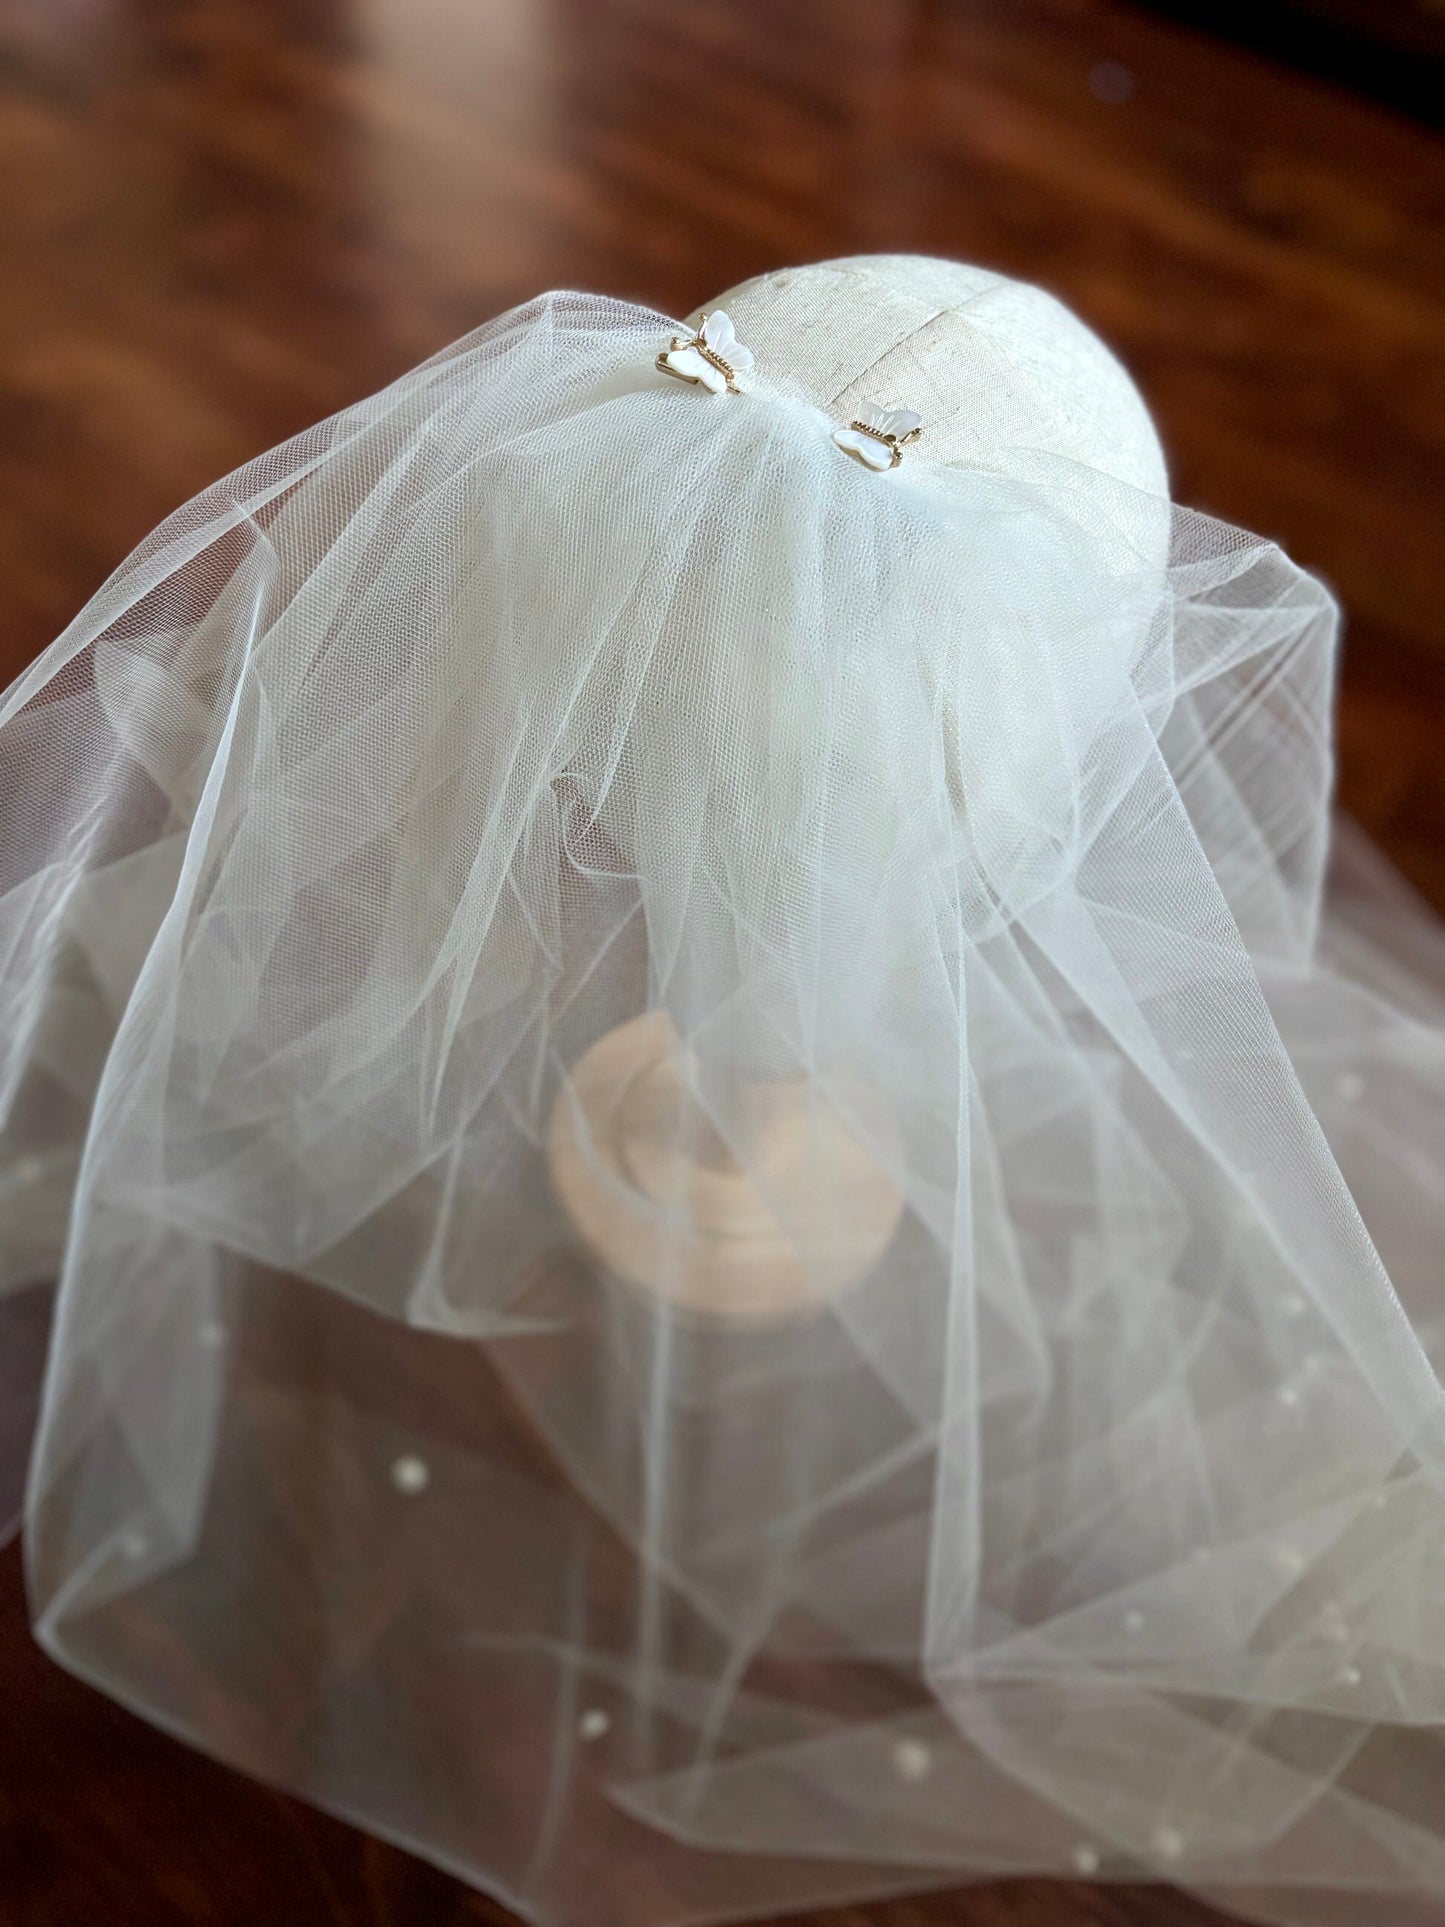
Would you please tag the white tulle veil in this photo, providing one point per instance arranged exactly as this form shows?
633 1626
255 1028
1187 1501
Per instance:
949 848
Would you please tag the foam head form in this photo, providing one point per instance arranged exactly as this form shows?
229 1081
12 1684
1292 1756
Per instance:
996 369
991 364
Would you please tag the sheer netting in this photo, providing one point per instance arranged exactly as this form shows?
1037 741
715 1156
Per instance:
719 1166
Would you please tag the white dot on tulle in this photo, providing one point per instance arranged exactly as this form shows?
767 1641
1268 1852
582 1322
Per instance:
912 1759
1350 1676
213 1336
1294 1305
134 1545
1352 1086
28 1170
1086 1859
410 1474
1133 1621
1288 1560
1288 1395
593 1723
1168 1842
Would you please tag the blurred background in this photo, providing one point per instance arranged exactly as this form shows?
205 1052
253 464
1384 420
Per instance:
223 219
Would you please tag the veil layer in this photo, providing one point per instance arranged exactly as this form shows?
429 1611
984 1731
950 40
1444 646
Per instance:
960 832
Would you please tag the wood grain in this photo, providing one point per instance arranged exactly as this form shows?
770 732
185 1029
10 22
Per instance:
222 220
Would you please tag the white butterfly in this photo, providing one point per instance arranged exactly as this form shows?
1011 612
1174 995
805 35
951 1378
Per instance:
712 356
878 436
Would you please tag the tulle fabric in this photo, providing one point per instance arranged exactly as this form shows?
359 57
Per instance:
1094 1526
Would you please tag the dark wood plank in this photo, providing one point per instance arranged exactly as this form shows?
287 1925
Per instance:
222 220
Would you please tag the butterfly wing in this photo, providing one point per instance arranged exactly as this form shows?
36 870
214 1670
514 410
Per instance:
717 332
873 416
720 336
866 449
899 421
695 367
687 363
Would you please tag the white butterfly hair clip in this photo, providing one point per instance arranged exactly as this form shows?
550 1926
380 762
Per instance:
879 436
713 356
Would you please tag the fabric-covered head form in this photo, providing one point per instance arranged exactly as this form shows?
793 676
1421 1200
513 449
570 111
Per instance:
992 365
999 372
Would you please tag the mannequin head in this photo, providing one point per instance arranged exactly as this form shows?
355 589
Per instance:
992 366
989 363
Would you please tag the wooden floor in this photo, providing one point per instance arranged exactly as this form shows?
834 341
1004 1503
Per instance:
223 219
